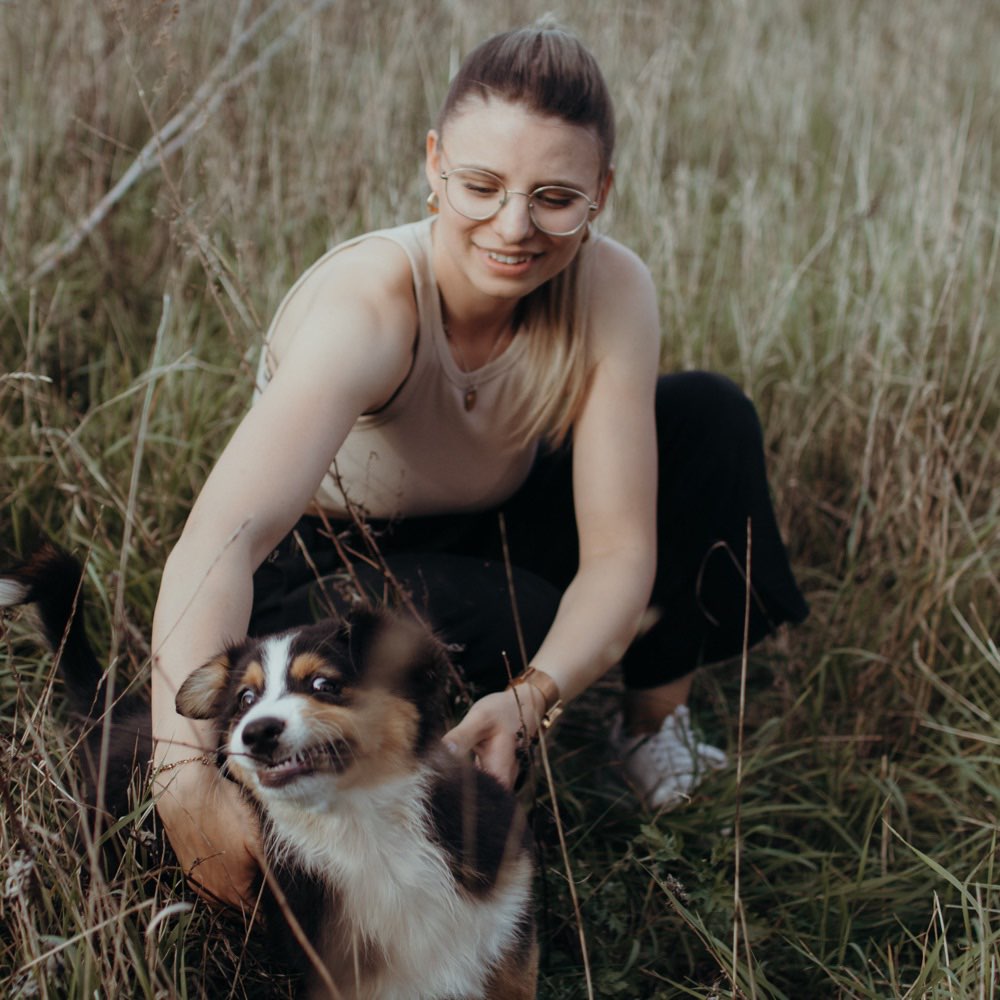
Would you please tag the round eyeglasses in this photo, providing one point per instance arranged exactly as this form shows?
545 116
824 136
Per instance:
479 195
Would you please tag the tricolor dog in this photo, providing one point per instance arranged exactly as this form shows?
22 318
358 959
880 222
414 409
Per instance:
408 870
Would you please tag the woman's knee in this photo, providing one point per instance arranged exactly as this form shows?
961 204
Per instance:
700 407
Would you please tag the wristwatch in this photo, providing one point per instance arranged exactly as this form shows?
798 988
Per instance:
541 681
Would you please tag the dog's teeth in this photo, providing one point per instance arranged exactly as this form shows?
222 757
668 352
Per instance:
331 756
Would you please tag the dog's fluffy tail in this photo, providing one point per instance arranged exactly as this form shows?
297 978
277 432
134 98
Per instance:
51 580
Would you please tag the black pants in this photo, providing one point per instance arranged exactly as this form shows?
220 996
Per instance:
712 481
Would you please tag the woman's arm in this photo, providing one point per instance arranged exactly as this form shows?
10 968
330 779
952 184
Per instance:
349 349
614 490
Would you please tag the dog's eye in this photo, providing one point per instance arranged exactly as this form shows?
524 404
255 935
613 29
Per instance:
246 698
326 686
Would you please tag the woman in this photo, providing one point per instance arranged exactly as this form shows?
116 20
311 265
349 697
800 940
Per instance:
498 356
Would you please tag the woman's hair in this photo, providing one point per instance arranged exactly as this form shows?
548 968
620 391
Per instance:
543 67
549 71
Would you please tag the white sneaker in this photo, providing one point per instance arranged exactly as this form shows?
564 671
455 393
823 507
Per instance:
665 767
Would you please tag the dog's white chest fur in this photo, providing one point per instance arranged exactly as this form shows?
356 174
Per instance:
399 896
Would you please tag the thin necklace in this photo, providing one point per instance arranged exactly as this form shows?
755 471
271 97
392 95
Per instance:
472 393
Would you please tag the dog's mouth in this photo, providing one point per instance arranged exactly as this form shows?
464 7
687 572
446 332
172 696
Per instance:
332 758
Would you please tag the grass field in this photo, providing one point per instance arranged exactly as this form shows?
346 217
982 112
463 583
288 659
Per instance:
814 185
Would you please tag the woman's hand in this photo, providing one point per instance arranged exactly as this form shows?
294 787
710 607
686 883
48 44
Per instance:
496 726
212 830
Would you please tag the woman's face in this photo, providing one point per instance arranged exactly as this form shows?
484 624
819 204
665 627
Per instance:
507 257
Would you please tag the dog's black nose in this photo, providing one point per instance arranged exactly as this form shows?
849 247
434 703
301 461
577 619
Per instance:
262 735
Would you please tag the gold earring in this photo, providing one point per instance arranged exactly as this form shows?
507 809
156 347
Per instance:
432 203
586 234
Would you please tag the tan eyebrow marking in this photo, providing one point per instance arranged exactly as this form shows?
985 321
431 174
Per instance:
306 664
253 676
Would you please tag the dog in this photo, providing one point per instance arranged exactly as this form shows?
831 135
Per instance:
407 869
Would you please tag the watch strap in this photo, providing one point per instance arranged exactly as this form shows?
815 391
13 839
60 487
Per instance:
542 682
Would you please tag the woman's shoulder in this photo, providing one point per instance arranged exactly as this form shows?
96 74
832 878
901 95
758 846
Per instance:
622 296
613 262
370 274
374 265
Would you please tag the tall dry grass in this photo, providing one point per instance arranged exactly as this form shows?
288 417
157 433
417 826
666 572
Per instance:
814 187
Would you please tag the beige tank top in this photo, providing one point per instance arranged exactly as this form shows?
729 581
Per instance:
423 452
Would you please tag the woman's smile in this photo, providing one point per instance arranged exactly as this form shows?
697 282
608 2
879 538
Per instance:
514 263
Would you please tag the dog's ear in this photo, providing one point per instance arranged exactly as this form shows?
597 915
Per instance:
200 696
394 648
384 647
402 653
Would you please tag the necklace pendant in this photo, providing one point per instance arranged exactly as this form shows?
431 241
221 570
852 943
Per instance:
470 398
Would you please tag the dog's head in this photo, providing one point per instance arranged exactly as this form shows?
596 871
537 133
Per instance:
325 707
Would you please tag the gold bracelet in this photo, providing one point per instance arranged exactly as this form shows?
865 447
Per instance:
548 689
